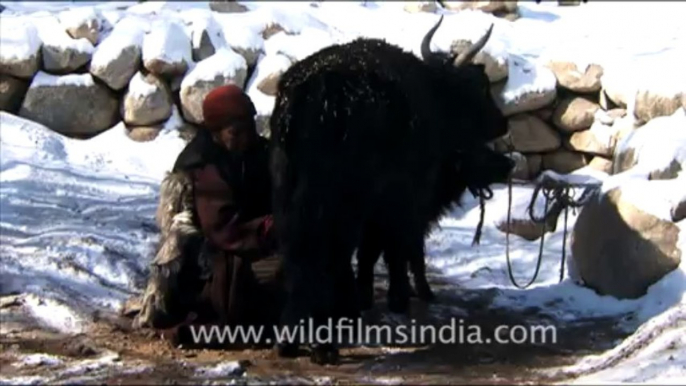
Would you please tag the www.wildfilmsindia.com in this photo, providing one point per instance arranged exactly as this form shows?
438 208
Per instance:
354 331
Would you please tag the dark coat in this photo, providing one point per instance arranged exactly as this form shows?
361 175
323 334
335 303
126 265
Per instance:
227 272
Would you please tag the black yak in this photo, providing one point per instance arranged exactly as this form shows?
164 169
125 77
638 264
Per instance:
370 145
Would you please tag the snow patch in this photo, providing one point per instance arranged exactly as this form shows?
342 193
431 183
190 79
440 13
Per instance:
139 88
220 370
526 77
225 62
128 32
19 38
43 79
54 315
53 34
78 16
167 41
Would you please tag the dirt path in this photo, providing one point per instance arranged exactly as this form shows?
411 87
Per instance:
111 353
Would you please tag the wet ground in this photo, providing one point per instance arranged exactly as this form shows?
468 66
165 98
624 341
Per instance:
111 353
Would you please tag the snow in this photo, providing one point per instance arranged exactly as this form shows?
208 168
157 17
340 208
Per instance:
43 79
168 42
77 216
139 88
657 143
525 78
76 17
19 39
128 32
266 65
53 34
225 63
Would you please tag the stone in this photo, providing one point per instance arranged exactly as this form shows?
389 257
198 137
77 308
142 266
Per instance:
531 135
658 146
167 49
529 87
118 57
269 71
227 6
597 140
545 114
650 104
619 249
608 117
521 168
572 78
12 92
224 67
535 163
143 133
605 102
61 53
563 161
81 22
601 164
496 65
21 47
574 114
73 105
420 6
678 211
147 101
202 47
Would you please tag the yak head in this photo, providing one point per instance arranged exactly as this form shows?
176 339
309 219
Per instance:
464 91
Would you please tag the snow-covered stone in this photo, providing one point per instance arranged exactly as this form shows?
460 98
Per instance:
598 140
12 91
243 35
147 101
206 37
420 6
81 22
167 49
531 135
20 47
574 114
563 161
620 248
227 6
601 164
572 78
224 67
268 72
118 56
300 46
60 52
657 148
143 133
651 104
608 117
70 104
529 87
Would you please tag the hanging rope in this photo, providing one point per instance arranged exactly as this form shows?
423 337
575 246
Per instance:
562 194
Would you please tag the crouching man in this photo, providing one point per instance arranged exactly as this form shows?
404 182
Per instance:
216 263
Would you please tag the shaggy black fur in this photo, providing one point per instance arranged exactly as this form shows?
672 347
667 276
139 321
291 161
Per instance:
370 146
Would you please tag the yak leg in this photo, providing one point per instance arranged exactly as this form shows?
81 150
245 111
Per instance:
405 240
421 285
367 255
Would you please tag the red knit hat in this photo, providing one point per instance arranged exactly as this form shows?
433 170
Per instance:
224 104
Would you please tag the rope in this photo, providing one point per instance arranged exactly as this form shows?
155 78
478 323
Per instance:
562 194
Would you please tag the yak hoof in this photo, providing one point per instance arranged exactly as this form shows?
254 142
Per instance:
398 304
424 292
287 350
324 354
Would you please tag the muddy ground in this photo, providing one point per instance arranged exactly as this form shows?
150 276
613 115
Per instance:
110 352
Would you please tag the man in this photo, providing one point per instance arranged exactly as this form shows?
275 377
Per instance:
216 261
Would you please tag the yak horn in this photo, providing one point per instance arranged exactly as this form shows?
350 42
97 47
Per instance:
468 55
426 49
